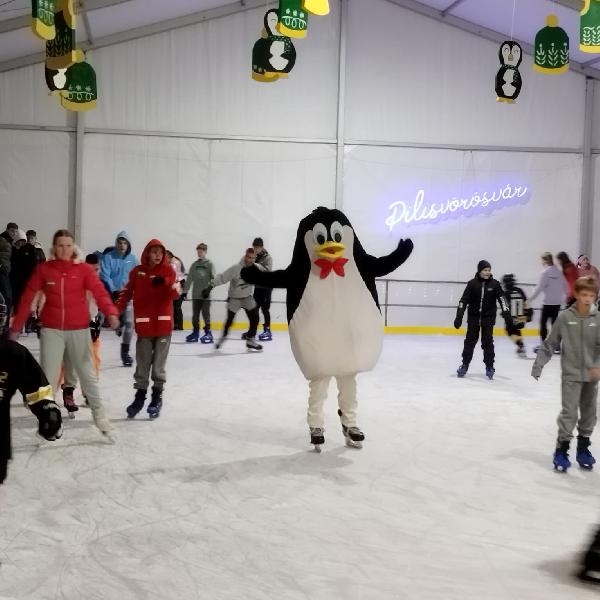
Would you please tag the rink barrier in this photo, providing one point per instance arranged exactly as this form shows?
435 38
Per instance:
384 287
408 330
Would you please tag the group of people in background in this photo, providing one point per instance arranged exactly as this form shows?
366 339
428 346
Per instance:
575 333
69 298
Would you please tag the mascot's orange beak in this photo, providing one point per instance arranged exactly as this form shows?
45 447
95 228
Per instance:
330 250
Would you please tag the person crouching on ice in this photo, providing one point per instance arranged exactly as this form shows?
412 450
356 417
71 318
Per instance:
479 299
153 288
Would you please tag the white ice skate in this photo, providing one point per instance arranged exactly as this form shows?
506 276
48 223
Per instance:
317 439
354 436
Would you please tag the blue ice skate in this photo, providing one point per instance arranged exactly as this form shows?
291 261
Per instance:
489 372
584 457
561 458
155 405
462 370
207 338
193 337
266 335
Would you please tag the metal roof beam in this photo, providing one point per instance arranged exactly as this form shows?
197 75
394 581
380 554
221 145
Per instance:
140 32
483 32
82 7
452 6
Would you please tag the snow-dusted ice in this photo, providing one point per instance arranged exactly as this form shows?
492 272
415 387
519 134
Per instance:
453 496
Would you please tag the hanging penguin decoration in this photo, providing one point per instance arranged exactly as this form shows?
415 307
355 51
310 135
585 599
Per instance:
60 51
316 7
293 18
508 78
42 19
274 55
551 48
589 27
335 323
76 86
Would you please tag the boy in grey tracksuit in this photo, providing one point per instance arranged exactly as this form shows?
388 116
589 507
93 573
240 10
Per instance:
577 331
239 296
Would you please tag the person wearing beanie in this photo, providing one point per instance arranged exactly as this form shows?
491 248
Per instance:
480 299
554 287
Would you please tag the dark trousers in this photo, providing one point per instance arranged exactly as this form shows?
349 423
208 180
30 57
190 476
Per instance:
549 312
177 313
263 299
253 317
204 306
487 342
5 289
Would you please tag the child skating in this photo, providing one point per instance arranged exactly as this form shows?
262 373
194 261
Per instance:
335 324
153 288
577 332
201 273
480 299
520 312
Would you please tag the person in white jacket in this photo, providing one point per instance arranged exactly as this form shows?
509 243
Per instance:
553 285
239 296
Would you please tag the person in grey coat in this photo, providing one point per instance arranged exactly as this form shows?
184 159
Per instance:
239 296
577 331
554 287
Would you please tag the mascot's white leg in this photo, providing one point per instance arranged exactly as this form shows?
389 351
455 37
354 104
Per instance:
348 405
316 399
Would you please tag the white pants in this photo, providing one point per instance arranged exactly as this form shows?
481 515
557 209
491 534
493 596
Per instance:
346 400
55 345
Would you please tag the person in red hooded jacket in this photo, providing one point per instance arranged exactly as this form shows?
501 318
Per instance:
152 285
60 285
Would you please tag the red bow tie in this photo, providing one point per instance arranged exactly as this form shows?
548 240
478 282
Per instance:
327 266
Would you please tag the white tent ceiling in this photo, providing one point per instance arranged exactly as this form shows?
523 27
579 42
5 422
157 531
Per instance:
105 22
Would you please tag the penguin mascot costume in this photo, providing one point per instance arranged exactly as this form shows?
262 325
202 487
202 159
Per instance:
335 323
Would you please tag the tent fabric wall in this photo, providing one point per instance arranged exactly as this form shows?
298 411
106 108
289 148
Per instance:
184 191
35 180
24 100
197 80
410 80
426 82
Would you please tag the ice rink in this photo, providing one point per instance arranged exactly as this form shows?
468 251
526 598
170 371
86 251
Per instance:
453 496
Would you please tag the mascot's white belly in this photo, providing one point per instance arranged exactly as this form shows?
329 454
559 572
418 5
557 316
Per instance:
337 328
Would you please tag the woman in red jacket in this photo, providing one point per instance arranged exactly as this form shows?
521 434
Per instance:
64 281
153 287
571 275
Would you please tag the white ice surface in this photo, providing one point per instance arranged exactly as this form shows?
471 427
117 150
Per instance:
452 497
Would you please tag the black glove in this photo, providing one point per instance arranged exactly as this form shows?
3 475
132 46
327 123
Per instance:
458 323
158 280
49 419
206 292
406 247
95 328
183 296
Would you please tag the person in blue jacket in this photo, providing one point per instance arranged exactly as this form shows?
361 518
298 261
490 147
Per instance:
114 272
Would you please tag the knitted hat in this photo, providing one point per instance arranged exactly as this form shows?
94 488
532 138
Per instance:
483 264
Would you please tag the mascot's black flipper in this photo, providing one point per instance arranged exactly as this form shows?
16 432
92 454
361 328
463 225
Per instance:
268 279
384 265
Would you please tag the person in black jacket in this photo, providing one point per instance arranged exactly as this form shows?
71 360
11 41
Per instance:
480 300
20 371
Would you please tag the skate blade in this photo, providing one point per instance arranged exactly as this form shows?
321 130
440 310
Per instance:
108 437
318 448
560 469
586 467
353 444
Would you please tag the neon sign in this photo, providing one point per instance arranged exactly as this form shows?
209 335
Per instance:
421 212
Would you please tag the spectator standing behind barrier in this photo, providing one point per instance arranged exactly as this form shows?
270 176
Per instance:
554 287
115 267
